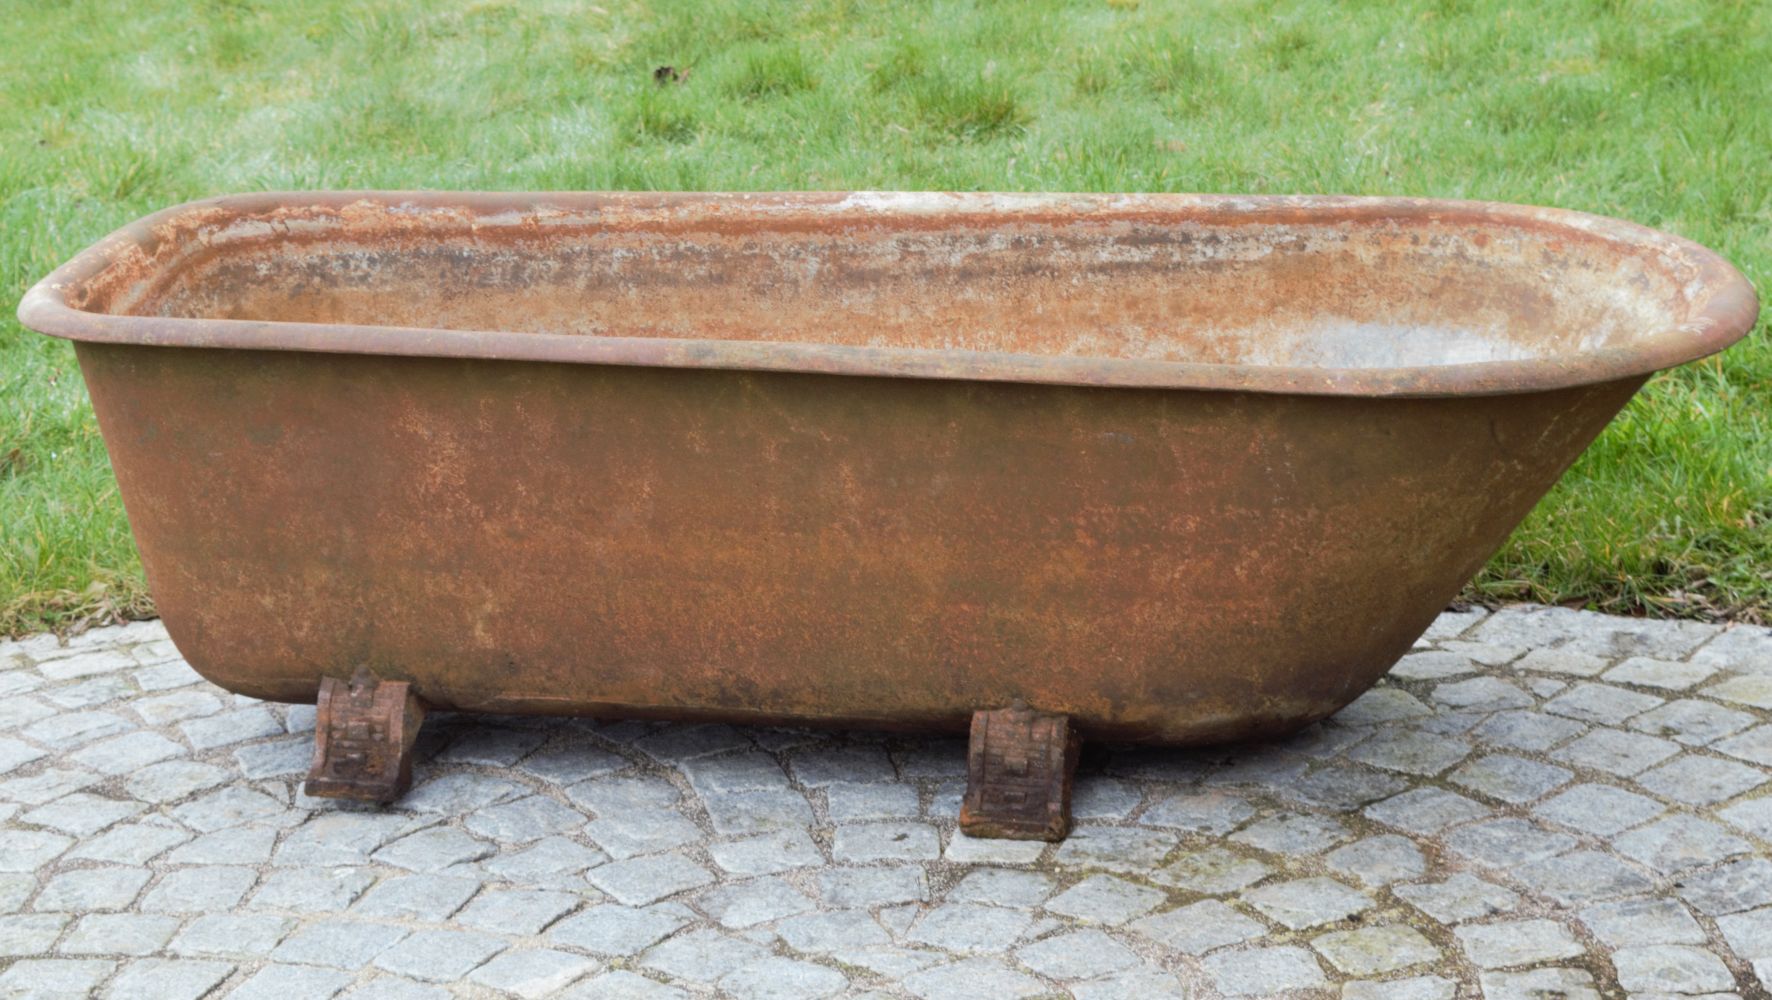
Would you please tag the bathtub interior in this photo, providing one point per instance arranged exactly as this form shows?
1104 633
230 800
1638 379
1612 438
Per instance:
1159 285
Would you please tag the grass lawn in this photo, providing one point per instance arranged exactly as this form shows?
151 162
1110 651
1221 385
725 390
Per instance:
1652 111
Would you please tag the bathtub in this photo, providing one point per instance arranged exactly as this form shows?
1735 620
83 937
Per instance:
1160 468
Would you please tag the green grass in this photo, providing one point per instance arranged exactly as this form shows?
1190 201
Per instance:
1653 111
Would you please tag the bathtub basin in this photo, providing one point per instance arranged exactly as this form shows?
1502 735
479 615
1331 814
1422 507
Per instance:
1162 468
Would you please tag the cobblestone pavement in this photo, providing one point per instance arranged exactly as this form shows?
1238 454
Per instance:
1537 803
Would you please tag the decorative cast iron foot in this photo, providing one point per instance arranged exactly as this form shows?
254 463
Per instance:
363 738
1018 776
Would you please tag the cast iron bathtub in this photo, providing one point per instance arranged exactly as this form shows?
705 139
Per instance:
1154 468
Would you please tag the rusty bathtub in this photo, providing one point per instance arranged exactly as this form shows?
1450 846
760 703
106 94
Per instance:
1154 468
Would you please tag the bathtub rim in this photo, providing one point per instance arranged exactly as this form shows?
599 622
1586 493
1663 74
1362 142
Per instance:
1725 304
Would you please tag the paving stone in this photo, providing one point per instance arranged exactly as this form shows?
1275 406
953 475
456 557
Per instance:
520 821
892 962
776 978
1424 811
1307 902
86 664
1679 842
1198 928
688 742
1539 984
1601 810
1459 898
966 850
229 806
1617 752
88 889
762 900
1749 934
1382 705
434 849
1433 665
779 851
1699 780
1212 812
637 881
176 706
1671 969
16 712
1264 972
831 765
491 746
173 780
756 810
1507 843
1693 722
515 911
1415 988
1342 787
15 888
28 850
168 979
242 934
701 956
241 845
1489 693
1099 797
129 844
1601 703
1632 923
1752 689
633 816
1412 752
166 676
1754 746
338 944
290 982
1581 877
623 985
1510 778
118 934
57 978
1213 871
1369 951
416 897
841 930
27 934
569 765
1742 648
970 979
199 890
309 890
394 988
1104 899
849 802
230 727
533 973
460 793
1294 834
83 815
885 841
1379 860
1002 887
127 753
547 861
15 754
439 956
1082 954
609 929
1668 675
1731 888
46 785
1516 942
862 888
277 759
971 927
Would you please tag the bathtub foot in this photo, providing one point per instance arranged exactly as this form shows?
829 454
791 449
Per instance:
363 738
1018 775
